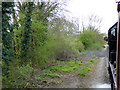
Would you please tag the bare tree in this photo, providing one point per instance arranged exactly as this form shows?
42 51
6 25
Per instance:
93 22
58 25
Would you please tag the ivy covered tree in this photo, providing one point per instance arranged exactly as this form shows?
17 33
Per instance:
7 33
27 30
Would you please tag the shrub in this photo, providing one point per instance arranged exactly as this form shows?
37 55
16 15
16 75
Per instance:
96 46
77 45
92 40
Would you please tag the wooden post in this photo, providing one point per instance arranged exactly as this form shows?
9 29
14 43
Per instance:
118 48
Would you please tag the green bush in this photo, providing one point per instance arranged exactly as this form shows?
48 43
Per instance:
92 40
77 45
96 46
54 48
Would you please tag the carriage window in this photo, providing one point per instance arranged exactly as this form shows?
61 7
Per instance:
113 32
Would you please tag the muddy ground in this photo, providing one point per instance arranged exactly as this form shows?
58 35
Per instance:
98 77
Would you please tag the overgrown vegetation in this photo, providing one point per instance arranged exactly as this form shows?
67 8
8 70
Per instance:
38 38
83 71
87 67
53 71
92 40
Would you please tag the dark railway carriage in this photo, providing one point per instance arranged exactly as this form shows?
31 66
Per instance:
112 42
114 53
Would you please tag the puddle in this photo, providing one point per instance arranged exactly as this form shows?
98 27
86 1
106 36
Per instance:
101 86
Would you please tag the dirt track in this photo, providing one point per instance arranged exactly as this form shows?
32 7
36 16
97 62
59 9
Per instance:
97 78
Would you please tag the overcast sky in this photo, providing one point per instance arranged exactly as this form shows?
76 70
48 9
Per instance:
106 9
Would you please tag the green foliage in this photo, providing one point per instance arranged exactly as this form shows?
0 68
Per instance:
92 60
72 64
27 31
93 55
40 78
68 67
53 48
88 63
18 76
39 33
52 75
39 41
46 75
25 72
82 53
77 45
34 47
83 71
96 46
64 68
7 28
61 45
92 40
79 63
7 36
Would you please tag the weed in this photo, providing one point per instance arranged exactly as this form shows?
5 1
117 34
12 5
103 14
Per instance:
63 68
72 65
71 62
93 55
88 63
75 65
83 71
46 70
25 71
45 75
79 63
52 75
83 53
92 60
55 68
69 69
40 78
